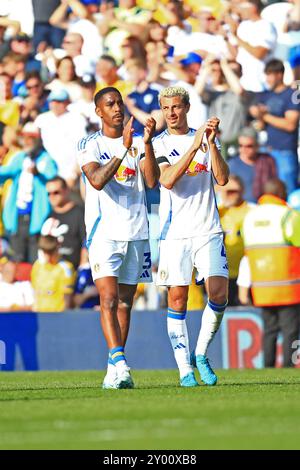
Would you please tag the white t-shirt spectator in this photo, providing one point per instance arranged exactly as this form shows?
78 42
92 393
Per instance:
60 135
259 33
17 294
92 41
211 43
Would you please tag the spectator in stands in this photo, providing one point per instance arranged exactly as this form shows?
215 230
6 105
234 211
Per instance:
72 45
60 130
219 86
256 40
232 210
14 295
254 168
85 105
35 102
272 269
293 17
128 19
9 109
43 31
278 110
66 222
10 147
107 75
142 103
14 26
78 17
21 44
66 79
14 65
86 294
52 279
27 204
132 49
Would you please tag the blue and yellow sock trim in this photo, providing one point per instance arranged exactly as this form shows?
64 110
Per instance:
176 315
117 354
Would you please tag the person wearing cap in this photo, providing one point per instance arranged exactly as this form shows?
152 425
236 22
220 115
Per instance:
27 204
253 167
60 130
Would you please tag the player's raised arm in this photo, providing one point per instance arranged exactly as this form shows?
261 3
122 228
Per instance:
149 165
98 175
219 166
170 174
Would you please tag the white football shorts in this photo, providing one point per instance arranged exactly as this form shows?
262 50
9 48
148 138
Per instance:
129 261
178 258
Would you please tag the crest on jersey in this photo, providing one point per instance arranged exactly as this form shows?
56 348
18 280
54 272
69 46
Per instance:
133 152
96 267
163 274
204 147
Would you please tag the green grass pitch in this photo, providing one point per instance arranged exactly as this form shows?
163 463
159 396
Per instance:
250 409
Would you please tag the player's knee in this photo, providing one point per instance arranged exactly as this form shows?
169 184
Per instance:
178 303
109 302
219 298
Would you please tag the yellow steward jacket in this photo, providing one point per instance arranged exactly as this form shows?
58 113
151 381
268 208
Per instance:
271 234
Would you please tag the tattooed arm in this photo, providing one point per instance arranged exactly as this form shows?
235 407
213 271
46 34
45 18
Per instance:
98 175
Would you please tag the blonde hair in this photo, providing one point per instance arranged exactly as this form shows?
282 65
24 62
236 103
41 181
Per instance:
172 91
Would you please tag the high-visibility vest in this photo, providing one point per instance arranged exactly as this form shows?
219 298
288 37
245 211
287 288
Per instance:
274 261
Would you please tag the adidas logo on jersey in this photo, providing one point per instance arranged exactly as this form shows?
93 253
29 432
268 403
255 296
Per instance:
145 274
174 153
104 156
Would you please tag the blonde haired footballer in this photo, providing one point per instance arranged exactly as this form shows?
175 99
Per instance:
116 221
191 235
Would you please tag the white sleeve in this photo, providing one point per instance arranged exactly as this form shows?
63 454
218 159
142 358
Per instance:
160 152
268 36
87 152
244 277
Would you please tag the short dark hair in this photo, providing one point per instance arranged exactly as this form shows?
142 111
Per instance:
33 74
60 180
274 65
258 3
109 58
48 244
104 91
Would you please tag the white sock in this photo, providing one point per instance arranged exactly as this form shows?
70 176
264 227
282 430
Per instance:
179 338
211 321
111 370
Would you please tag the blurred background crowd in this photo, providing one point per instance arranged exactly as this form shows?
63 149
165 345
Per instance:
239 60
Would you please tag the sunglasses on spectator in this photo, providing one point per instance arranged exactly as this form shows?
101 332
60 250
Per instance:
54 193
68 42
248 146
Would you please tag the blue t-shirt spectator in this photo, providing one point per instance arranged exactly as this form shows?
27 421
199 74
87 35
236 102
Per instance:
147 102
246 173
278 104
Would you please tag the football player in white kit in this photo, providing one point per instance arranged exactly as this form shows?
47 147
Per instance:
116 221
191 234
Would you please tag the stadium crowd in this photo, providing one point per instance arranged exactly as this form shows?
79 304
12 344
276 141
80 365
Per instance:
239 61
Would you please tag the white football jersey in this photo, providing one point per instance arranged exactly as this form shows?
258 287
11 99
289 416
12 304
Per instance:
189 209
118 212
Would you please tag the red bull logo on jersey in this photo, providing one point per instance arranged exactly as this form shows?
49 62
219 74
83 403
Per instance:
195 168
124 173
